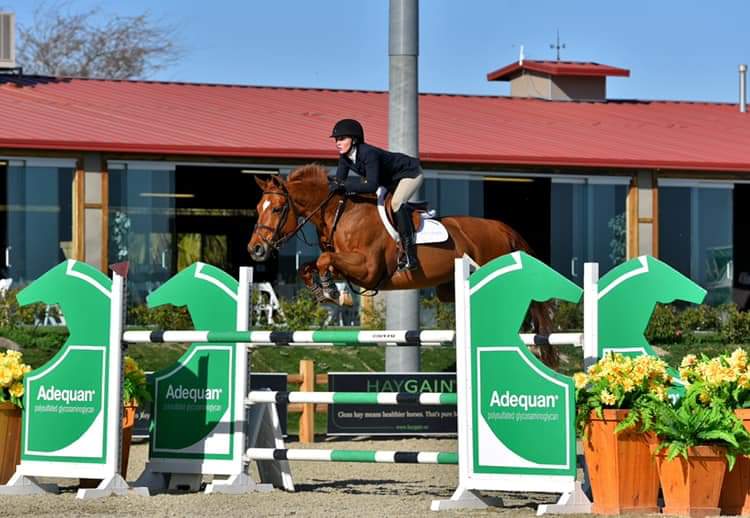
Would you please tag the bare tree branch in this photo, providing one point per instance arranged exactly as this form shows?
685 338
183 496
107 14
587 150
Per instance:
61 43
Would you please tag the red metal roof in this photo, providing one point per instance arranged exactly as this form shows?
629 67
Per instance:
241 121
557 68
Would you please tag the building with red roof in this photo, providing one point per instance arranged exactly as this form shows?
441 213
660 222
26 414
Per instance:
161 174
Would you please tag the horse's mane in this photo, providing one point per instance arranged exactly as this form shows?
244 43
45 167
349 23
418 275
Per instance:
313 178
315 173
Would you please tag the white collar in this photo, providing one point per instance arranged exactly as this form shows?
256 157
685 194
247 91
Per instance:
352 154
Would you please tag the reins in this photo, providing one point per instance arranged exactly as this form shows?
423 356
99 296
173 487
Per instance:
276 242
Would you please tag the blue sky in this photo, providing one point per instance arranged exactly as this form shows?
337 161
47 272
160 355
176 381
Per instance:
682 50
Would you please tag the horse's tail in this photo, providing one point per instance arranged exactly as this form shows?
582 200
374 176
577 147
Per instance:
541 312
541 317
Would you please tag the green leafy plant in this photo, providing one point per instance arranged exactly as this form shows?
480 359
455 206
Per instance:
689 422
701 318
736 328
12 314
444 312
664 326
619 382
372 316
162 317
135 387
301 312
567 316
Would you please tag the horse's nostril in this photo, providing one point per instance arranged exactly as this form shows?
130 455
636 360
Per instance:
258 250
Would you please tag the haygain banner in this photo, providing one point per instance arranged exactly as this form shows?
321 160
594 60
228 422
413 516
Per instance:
404 419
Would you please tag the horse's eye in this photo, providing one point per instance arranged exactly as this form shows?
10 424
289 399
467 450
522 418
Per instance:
276 210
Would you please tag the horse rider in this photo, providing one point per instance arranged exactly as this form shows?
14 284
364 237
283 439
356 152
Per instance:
397 172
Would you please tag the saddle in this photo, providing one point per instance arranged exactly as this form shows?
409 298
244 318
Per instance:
426 228
416 210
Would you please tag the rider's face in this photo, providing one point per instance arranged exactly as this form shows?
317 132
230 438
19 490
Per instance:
343 144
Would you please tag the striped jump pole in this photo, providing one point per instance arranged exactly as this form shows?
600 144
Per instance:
374 456
331 338
353 398
296 338
553 339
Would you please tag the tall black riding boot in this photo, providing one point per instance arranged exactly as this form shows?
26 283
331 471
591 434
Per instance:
408 260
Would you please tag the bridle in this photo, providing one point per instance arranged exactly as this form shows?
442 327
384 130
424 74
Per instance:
277 240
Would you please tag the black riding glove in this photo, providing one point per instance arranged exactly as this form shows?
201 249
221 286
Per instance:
336 188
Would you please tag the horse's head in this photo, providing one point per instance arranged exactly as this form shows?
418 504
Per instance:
276 219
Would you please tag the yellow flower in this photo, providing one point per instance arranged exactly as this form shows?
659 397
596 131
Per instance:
738 359
713 372
640 372
661 393
628 385
704 397
6 376
580 379
689 360
729 375
607 398
17 372
130 365
16 389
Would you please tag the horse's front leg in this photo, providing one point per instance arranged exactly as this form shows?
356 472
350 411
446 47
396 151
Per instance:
351 265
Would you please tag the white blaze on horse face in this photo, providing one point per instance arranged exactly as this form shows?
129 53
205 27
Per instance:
265 205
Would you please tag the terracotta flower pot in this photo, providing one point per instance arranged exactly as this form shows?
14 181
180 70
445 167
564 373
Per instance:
621 471
10 440
128 421
735 493
692 487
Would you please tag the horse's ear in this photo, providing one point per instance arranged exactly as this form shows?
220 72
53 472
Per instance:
261 183
277 180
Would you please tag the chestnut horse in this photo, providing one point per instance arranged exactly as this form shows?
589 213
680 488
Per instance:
356 246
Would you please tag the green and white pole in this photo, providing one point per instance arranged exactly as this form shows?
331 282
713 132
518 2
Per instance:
373 456
353 398
297 338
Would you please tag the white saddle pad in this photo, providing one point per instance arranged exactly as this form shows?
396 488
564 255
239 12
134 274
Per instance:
429 230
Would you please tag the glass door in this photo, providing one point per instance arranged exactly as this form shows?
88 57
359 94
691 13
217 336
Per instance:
142 201
36 199
587 224
696 233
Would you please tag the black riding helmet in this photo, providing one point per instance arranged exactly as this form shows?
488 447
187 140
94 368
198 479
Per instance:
349 128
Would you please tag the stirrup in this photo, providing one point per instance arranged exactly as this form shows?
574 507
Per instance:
405 265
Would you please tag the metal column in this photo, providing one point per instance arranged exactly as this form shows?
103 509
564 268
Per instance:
402 307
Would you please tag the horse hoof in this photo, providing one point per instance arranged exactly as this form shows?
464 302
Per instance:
328 299
319 294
